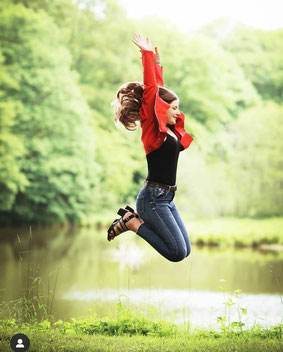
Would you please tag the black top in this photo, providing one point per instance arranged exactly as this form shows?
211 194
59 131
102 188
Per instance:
162 162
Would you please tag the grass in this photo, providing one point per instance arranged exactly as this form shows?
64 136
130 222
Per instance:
52 342
83 336
32 306
237 232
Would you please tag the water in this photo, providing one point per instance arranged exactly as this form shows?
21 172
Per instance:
201 308
94 273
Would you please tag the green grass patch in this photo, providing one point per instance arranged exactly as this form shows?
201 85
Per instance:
83 335
237 232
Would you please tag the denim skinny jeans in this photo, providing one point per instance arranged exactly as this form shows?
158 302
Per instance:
163 227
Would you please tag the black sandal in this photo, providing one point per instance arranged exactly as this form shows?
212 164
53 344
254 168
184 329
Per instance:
132 211
111 233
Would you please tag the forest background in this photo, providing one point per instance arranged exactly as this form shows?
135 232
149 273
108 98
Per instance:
62 158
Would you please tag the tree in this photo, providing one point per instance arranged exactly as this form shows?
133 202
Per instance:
256 159
54 121
259 53
12 179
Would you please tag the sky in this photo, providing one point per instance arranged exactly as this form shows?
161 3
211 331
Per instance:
190 15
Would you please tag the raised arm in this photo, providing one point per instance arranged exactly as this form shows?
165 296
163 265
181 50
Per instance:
152 77
158 68
149 77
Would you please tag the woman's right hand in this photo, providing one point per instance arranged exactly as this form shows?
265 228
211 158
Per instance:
141 43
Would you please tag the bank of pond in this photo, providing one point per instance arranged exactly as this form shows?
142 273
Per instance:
133 331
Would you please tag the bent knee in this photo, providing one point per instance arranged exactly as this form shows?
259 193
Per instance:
182 254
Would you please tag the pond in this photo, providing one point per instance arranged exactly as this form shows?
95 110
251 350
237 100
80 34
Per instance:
94 273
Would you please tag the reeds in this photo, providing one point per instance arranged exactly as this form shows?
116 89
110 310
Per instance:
32 306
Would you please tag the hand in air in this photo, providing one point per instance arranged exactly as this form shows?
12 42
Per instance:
156 56
141 43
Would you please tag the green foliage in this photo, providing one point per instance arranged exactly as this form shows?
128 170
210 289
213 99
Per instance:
47 341
126 322
59 163
12 180
121 168
239 168
258 52
224 321
134 324
255 159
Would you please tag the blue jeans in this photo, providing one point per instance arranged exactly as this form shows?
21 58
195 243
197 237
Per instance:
163 227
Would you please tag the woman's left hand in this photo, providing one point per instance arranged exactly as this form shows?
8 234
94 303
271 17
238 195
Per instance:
156 56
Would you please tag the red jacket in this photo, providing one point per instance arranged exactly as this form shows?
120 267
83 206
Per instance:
153 109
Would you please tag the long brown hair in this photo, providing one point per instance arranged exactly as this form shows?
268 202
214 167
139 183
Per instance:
129 100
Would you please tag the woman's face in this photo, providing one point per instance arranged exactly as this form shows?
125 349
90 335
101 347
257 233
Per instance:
173 112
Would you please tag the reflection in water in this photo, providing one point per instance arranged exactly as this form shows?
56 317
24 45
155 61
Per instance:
202 307
128 255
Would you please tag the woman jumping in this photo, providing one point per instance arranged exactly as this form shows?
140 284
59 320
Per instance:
163 135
